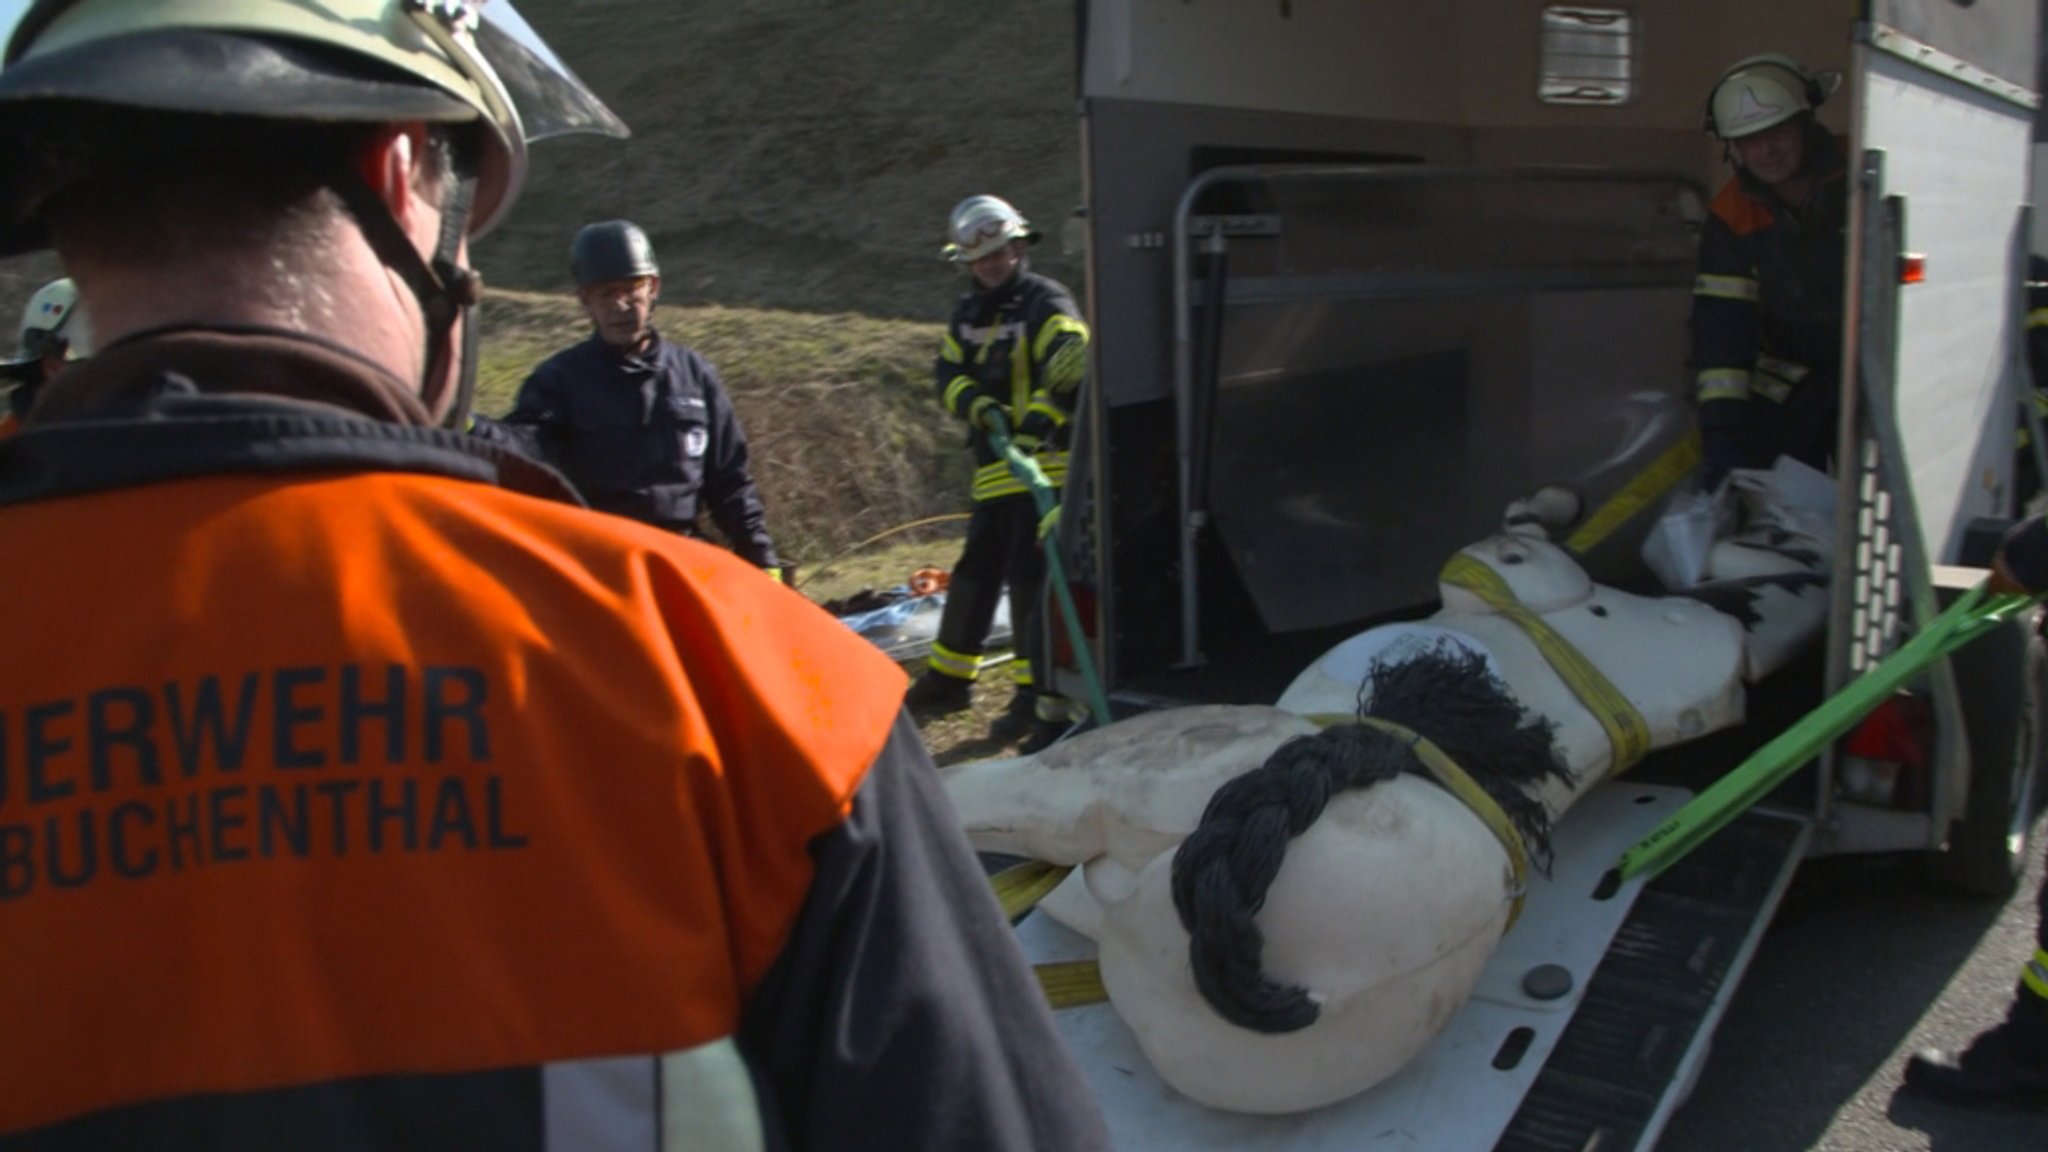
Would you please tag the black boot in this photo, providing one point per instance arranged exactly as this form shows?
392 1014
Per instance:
2006 1065
936 694
1043 734
1015 722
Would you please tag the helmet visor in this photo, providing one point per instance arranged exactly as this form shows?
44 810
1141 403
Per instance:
546 95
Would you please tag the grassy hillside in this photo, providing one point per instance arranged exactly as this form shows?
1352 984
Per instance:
803 154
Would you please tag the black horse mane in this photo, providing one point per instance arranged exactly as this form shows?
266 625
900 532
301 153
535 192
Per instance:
1222 870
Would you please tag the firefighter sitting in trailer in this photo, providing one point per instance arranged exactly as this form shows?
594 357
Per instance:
1767 302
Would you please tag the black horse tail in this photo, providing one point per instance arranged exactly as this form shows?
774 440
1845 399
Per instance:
1222 870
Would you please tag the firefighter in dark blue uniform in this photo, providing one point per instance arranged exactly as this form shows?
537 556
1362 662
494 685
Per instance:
1767 303
640 425
1017 346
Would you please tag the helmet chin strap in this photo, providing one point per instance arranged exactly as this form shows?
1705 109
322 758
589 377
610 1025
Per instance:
445 290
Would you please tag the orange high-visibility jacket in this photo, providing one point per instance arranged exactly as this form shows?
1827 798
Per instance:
326 760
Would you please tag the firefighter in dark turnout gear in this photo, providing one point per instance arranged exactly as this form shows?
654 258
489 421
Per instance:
2008 1062
1767 302
642 426
456 815
1016 345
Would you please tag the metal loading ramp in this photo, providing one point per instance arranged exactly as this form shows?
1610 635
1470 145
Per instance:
1636 1044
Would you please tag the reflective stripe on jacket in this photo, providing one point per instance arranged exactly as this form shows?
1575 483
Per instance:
1023 347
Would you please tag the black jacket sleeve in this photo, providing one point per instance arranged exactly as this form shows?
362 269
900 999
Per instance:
729 494
538 422
901 1014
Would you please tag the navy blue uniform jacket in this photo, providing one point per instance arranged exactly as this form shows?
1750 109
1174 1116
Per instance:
650 435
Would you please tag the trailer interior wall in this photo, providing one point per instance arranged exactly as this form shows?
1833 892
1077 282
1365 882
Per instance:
1449 82
1170 84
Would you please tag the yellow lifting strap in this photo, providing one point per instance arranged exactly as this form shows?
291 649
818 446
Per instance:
1648 486
1020 887
1627 733
1066 984
1460 784
1071 983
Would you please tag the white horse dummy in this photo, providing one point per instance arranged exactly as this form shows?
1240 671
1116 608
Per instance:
1286 909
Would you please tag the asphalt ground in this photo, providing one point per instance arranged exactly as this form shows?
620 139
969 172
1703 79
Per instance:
1866 961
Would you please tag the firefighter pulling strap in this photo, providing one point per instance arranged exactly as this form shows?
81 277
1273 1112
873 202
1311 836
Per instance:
1626 731
1973 614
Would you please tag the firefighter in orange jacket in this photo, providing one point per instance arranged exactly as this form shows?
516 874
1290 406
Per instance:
389 798
1767 302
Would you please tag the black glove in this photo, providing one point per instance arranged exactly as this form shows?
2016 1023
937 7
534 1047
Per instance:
1036 429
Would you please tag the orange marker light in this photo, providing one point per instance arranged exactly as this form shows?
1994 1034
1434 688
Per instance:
1912 268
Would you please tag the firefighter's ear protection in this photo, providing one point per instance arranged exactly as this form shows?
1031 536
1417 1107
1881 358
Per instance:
1816 87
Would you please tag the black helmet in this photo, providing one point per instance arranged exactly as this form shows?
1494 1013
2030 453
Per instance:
611 250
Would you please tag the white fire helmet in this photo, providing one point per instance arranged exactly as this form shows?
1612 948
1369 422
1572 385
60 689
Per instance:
981 225
1762 92
52 322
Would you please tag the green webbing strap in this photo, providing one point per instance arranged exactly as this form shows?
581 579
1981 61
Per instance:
1458 783
1973 614
1626 731
1649 486
1020 887
1043 495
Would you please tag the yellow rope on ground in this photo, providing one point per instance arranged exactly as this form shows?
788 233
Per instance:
878 537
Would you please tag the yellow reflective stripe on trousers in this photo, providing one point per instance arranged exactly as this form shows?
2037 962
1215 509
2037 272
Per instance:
1649 485
1723 384
2035 975
958 665
1725 287
1627 732
2037 318
1459 783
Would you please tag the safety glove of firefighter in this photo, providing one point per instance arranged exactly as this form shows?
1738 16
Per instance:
984 411
1033 432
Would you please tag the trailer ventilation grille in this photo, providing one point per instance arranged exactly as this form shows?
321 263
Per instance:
1588 55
